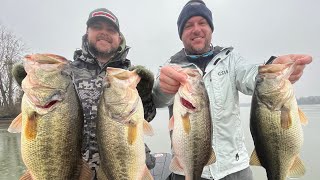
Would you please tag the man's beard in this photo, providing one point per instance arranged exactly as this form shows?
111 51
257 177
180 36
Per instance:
102 54
201 50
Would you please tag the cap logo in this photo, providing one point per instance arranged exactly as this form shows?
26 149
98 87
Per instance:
107 15
194 3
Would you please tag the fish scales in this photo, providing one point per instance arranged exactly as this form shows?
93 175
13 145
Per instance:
275 124
191 128
51 120
120 128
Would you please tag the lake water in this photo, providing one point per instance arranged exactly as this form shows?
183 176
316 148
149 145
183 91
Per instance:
310 155
11 165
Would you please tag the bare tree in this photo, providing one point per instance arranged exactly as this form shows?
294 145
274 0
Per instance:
11 51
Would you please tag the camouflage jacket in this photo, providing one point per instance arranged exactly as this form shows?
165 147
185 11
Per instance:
88 75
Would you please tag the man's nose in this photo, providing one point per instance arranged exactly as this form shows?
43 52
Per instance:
103 30
196 28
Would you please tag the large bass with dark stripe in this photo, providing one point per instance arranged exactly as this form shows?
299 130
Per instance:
191 128
120 128
51 121
275 123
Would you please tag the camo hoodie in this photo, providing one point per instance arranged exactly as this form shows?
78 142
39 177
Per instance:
88 75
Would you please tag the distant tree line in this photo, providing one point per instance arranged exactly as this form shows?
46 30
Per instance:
11 51
309 100
300 101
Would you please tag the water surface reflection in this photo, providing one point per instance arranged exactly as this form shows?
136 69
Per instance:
11 165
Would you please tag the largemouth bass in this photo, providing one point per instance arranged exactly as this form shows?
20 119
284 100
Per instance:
51 121
120 128
275 123
191 128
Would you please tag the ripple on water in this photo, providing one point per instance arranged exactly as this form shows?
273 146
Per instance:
11 165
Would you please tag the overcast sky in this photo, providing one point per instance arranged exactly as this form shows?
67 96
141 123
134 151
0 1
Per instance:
256 29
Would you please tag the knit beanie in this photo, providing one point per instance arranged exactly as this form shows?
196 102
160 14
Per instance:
194 8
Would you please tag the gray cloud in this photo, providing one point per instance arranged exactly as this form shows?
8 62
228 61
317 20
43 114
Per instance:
256 30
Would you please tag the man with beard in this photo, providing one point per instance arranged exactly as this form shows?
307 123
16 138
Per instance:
103 46
225 73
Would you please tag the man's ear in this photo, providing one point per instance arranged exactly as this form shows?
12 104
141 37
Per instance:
121 39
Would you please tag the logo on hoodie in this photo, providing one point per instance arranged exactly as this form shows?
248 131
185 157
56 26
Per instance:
223 72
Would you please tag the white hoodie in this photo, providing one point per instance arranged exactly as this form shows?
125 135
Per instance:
226 75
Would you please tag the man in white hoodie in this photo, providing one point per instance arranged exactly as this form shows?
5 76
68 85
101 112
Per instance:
225 73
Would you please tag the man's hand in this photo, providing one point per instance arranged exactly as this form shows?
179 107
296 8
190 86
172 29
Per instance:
18 73
170 79
300 60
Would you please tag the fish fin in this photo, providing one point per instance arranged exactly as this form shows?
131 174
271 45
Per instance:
146 174
15 126
286 119
175 166
303 117
132 133
254 159
186 123
30 129
297 169
147 128
26 176
85 171
212 158
171 123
